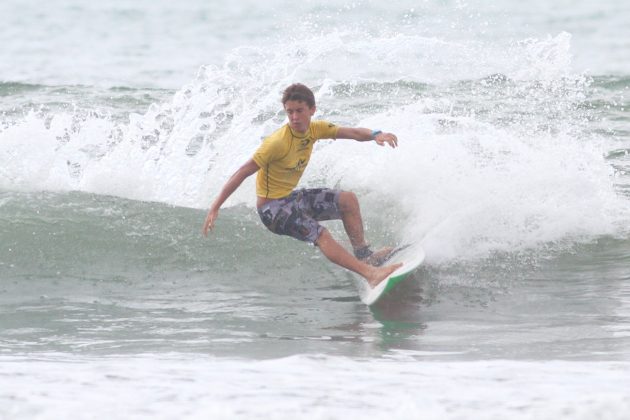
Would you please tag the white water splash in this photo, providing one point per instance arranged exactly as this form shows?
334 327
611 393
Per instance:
495 151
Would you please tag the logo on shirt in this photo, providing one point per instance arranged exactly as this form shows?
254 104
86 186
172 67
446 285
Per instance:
304 144
300 166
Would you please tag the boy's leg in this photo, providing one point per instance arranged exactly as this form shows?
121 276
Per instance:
351 217
353 224
338 254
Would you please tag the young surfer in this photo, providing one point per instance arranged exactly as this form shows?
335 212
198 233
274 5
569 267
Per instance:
280 161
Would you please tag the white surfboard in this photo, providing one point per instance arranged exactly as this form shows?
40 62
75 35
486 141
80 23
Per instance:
410 255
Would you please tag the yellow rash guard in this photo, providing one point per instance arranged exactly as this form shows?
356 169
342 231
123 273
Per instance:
283 156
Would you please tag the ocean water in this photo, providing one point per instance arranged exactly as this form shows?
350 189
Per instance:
119 123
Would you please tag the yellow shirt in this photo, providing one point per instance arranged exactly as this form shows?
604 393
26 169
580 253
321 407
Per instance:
283 156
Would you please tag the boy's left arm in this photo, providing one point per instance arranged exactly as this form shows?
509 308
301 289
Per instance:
365 134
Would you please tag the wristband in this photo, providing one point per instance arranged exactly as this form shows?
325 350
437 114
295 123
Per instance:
375 133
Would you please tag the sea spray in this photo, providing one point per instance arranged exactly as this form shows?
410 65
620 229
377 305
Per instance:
503 159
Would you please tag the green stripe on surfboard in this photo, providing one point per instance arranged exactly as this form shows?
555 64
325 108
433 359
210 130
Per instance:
393 281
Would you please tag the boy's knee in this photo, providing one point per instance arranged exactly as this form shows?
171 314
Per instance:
324 235
348 201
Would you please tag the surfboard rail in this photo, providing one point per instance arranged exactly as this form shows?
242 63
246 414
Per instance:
411 256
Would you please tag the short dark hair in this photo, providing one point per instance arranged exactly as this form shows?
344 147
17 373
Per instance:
298 92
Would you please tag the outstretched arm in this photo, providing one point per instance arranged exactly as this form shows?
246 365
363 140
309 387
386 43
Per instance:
249 168
365 134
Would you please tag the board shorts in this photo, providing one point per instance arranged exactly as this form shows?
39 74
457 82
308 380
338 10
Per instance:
298 214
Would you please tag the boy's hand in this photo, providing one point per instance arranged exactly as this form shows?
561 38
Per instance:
209 223
388 138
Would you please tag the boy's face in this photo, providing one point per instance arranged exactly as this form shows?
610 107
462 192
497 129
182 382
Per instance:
299 114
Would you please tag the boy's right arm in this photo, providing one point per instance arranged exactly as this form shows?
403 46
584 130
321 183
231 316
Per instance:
249 168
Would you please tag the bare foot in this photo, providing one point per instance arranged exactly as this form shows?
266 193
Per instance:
378 274
378 258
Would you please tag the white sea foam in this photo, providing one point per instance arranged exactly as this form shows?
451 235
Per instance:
309 387
478 188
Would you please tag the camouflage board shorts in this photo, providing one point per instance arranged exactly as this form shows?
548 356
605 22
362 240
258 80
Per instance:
298 214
